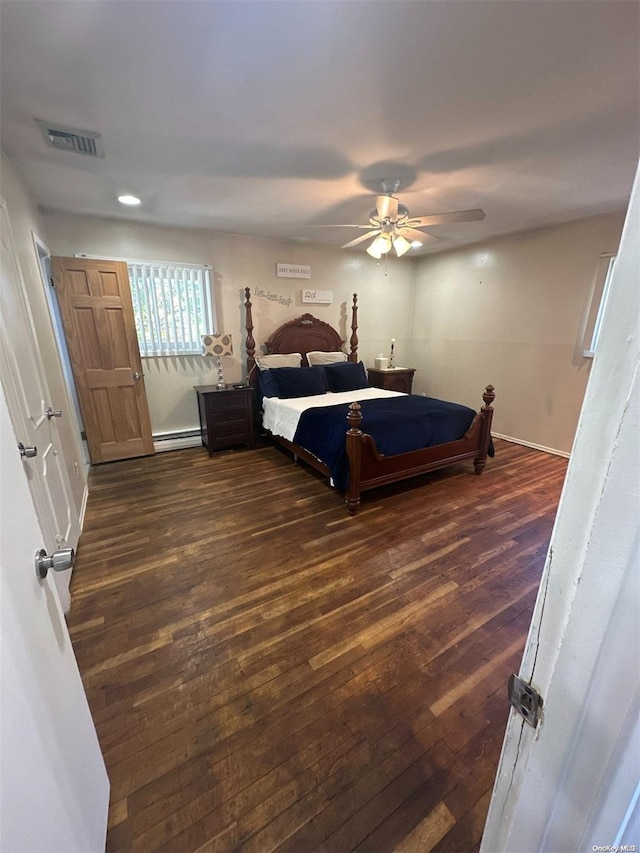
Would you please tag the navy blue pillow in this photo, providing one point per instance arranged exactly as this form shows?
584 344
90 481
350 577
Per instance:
299 381
267 384
346 376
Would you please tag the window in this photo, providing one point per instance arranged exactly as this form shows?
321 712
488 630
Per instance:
598 305
173 307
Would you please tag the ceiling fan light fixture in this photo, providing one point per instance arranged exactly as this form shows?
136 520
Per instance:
394 227
379 247
401 245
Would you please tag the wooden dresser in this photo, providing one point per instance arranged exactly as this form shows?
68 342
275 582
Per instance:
226 416
392 379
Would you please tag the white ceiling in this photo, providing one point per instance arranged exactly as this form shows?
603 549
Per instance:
268 118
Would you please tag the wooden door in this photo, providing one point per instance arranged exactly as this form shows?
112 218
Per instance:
32 407
97 313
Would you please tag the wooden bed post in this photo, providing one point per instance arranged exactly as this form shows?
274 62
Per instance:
485 436
354 454
251 344
354 329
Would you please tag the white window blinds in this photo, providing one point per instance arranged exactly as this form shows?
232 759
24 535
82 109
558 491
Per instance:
173 307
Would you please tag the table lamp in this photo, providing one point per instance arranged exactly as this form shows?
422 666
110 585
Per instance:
217 346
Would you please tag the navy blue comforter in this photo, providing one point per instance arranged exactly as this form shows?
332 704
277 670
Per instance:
397 424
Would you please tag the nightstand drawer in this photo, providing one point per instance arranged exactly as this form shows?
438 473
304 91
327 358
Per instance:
226 435
227 428
233 413
228 401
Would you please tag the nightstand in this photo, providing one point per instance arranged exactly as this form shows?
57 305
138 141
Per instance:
226 416
392 379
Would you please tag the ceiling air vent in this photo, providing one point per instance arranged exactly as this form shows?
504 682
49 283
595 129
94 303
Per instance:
71 139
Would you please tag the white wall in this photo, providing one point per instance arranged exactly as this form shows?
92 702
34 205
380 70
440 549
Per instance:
512 311
238 262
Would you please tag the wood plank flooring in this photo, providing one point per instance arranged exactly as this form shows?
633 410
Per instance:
266 673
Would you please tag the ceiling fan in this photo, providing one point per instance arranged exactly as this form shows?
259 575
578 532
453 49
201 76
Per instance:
391 224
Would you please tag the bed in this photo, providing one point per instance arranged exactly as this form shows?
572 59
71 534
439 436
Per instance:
368 447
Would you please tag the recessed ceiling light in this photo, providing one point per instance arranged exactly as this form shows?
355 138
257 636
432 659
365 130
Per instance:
416 244
131 200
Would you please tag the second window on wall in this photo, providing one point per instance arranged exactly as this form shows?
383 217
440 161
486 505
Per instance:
598 304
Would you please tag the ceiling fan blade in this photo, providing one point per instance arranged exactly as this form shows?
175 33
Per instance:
340 225
419 236
446 218
361 239
387 205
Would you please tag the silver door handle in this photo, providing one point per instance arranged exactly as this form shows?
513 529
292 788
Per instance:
53 413
137 375
27 452
59 561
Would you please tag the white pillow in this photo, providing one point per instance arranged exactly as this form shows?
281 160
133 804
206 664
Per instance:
289 359
319 357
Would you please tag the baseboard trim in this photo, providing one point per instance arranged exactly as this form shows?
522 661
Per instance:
183 441
530 444
177 441
83 506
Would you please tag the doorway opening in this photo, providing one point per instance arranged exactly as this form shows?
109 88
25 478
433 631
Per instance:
44 265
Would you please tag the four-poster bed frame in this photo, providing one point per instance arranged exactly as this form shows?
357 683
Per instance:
368 468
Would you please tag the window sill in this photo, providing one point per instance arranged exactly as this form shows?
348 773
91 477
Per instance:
197 353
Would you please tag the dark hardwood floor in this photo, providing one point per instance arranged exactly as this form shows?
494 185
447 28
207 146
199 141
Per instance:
266 673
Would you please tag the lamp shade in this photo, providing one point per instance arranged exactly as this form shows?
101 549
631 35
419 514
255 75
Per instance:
380 246
401 245
217 345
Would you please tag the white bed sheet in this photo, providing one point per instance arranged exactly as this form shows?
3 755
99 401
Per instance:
281 416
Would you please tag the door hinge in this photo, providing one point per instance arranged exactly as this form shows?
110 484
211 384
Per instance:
52 281
83 435
526 700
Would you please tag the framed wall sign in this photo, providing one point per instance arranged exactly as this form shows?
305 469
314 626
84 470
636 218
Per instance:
293 271
319 296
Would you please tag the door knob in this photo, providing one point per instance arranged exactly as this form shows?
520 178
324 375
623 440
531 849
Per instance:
53 413
137 375
59 561
27 452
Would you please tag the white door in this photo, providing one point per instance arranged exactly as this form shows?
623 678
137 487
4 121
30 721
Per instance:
54 790
28 397
572 784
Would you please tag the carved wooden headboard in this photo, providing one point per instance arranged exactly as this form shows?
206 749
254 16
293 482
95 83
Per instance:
304 334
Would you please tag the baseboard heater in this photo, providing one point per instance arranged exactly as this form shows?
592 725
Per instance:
176 440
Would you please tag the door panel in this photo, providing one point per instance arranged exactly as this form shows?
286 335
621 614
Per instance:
95 303
28 395
54 788
571 784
